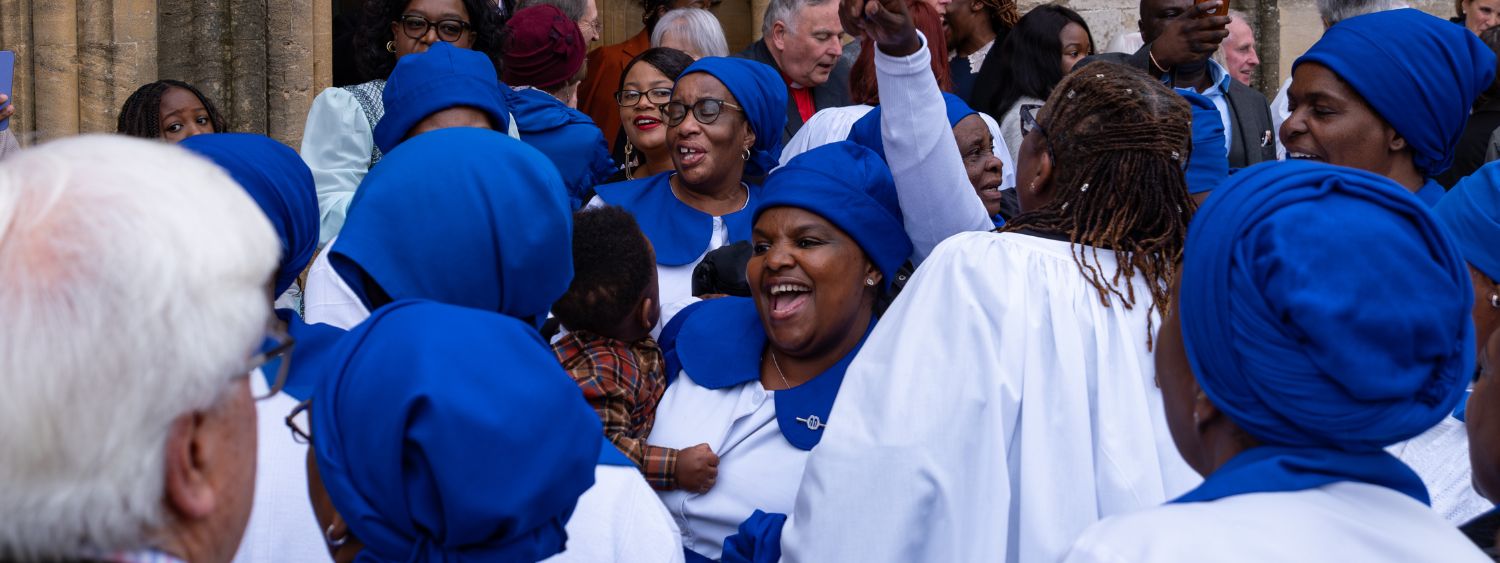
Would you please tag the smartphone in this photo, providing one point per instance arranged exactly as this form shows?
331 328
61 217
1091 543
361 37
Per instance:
1222 11
7 74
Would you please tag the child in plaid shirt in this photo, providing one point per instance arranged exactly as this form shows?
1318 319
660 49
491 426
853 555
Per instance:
609 311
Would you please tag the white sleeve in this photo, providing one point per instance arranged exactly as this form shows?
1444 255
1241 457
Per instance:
1280 112
937 199
912 466
336 145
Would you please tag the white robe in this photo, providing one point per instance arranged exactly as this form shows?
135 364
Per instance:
1342 521
996 411
758 468
282 526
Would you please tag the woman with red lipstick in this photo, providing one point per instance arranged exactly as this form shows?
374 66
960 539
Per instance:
645 85
756 377
724 124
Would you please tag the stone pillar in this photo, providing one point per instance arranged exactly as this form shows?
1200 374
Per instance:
55 87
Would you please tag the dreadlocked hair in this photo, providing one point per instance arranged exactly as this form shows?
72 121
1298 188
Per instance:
1003 14
141 114
1118 141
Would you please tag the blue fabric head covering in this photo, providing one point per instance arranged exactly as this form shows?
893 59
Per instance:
1471 213
1419 72
759 89
1208 164
280 184
1325 349
426 83
462 216
866 131
851 187
450 434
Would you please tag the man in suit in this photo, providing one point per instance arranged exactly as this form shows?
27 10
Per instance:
1180 37
801 40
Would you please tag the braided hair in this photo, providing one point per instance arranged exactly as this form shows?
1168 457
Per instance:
1118 140
141 114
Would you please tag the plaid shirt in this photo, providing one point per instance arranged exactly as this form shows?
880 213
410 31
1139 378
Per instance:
623 381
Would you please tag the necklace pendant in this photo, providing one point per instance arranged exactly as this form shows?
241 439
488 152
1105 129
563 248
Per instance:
813 422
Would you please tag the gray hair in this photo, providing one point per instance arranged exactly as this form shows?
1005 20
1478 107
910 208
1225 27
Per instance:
1335 11
695 27
573 9
135 278
785 11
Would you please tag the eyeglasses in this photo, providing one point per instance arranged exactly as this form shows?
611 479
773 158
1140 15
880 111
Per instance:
706 111
1029 124
416 27
299 422
595 26
658 96
279 350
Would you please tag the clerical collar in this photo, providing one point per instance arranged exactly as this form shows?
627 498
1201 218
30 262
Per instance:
719 342
680 233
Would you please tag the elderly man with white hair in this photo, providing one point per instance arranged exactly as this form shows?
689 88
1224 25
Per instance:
135 288
801 39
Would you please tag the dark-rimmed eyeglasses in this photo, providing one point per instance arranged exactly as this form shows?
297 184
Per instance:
706 111
628 98
298 422
278 348
1029 124
450 31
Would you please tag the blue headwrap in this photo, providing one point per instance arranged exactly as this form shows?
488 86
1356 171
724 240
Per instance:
759 89
1471 213
1419 72
1323 348
866 131
450 434
426 83
280 183
851 187
462 216
1208 164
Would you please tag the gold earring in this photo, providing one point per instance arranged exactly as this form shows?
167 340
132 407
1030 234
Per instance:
390 46
629 161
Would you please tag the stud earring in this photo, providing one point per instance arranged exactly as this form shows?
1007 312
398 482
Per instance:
333 542
870 282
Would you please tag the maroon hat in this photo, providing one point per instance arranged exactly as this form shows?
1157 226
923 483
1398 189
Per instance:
543 48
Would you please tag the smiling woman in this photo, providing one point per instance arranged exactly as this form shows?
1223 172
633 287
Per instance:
756 377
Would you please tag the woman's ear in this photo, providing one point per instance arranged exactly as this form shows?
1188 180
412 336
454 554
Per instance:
1041 183
873 277
1204 410
1394 141
749 135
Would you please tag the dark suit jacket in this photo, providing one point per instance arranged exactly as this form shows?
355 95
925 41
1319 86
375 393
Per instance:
832 94
1253 134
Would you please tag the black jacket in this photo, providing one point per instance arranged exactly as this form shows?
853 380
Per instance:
987 80
1253 134
832 94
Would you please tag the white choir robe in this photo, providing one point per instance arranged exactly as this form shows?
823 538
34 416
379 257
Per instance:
1343 521
758 468
997 411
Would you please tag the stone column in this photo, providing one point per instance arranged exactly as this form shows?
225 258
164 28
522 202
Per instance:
55 67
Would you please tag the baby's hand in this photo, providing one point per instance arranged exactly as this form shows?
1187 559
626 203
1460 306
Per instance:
697 469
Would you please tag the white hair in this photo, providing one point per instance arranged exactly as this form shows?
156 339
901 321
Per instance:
134 286
785 11
1335 11
694 26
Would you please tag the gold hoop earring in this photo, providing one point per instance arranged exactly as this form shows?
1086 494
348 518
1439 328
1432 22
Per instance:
390 46
629 161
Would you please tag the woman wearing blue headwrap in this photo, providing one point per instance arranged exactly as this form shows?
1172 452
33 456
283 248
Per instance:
423 451
281 525
723 124
1288 366
756 377
1388 93
434 221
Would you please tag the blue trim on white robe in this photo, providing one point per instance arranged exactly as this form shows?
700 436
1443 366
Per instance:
679 233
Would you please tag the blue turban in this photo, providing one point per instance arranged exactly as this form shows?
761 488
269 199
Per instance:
280 184
866 131
760 90
1208 164
462 216
1419 72
851 187
1471 213
450 434
441 78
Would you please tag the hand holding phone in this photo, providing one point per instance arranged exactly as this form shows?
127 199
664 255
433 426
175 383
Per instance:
7 72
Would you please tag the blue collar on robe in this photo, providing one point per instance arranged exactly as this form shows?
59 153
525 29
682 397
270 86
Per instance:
611 455
314 343
679 233
1269 469
1431 193
720 343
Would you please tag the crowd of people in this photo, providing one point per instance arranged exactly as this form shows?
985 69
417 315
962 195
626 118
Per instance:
904 280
